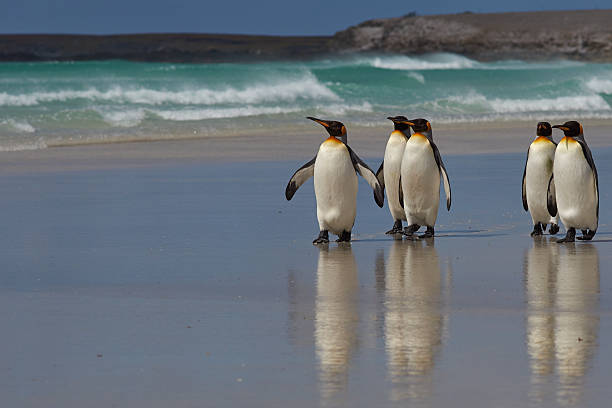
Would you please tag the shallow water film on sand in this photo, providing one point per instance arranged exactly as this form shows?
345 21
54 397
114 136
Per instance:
45 104
119 288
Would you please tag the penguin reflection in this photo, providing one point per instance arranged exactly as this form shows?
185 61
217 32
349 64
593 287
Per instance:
540 280
413 319
577 324
336 317
562 320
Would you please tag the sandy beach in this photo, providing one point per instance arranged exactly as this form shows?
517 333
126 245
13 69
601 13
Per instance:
176 274
279 144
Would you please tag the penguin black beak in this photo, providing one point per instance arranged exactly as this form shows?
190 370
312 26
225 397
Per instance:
563 128
406 122
319 121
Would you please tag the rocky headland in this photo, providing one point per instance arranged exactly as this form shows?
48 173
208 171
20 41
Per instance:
530 35
577 35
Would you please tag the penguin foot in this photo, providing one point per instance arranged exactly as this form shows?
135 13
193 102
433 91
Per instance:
569 236
537 229
587 235
428 234
554 228
344 237
323 238
410 230
396 229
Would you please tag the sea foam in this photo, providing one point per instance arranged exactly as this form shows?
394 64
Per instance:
600 85
19 126
220 113
428 62
124 118
281 90
21 146
474 102
558 104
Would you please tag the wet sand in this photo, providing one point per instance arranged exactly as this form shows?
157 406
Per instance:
299 143
176 274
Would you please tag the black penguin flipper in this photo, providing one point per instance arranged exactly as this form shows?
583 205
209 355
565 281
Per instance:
442 169
366 172
380 175
525 206
589 158
401 192
299 177
551 198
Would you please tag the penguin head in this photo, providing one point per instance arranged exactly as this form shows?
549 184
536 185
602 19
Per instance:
544 129
421 126
400 123
334 128
570 128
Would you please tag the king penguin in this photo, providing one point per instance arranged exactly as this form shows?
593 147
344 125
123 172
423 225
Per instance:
389 170
537 173
573 189
419 182
335 169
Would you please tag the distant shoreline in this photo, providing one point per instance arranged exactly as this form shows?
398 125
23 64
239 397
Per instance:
159 47
575 35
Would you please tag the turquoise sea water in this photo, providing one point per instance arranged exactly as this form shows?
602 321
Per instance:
43 104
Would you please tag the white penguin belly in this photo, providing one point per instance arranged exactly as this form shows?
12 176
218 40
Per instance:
335 184
420 182
575 187
394 153
538 172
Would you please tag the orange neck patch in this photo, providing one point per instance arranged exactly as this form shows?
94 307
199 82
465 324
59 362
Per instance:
419 135
541 139
332 139
566 141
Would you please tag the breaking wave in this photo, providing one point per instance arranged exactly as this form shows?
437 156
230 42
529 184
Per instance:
13 125
283 90
600 85
427 62
44 103
202 114
476 103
